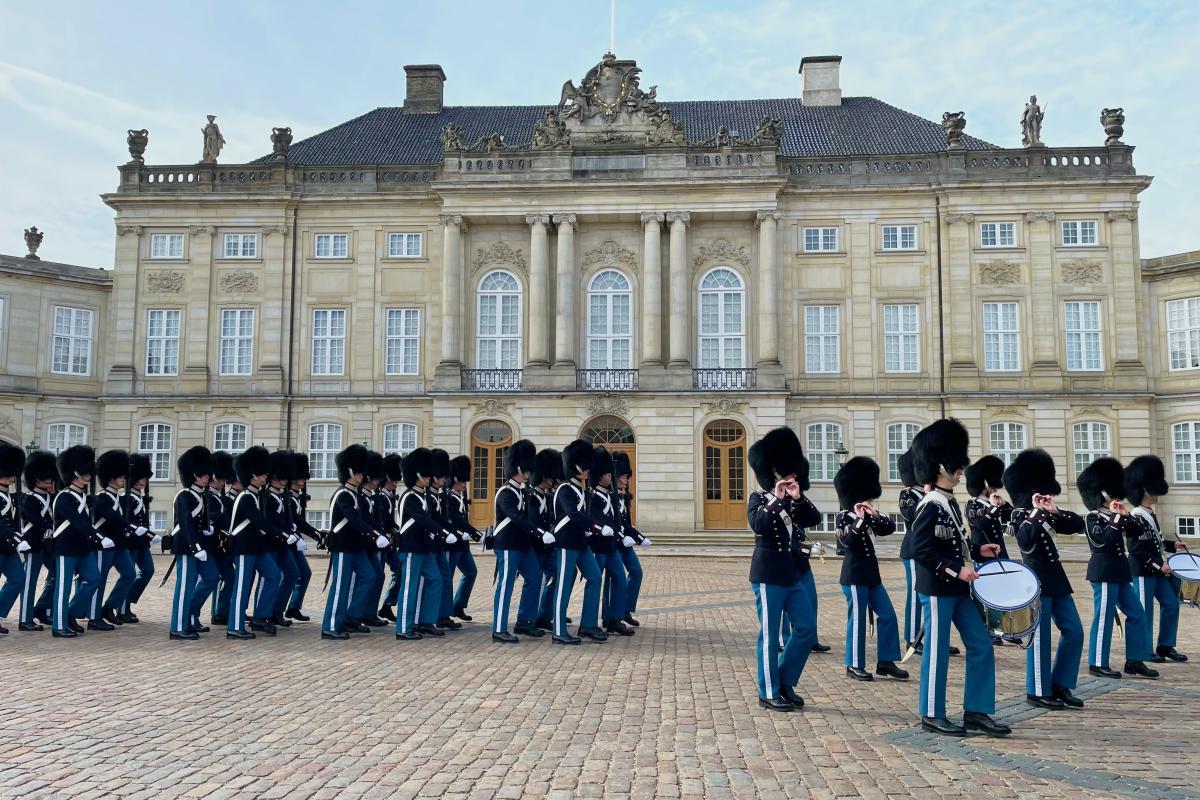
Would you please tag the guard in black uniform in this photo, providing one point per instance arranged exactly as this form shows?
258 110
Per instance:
248 535
75 541
439 493
628 536
298 499
112 468
136 504
1145 482
418 532
222 496
604 510
351 533
910 496
188 537
573 527
12 460
274 565
514 547
458 511
988 514
385 522
38 529
547 471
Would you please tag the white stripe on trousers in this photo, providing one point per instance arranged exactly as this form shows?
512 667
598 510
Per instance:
96 597
503 604
420 594
62 581
404 602
854 654
1037 654
560 613
237 594
914 600
767 644
337 590
1102 627
931 650
25 589
181 593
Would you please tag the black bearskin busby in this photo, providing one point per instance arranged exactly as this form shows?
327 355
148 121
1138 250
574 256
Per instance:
777 455
111 464
521 456
354 458
941 445
78 460
1145 474
549 466
1100 482
602 464
375 467
417 464
1030 473
194 462
255 461
393 469
904 465
40 466
441 462
857 482
460 469
986 474
621 465
300 468
141 468
577 457
12 459
223 466
281 465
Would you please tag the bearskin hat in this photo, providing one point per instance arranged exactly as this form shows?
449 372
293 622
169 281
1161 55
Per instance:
1145 474
141 468
941 445
12 459
1101 481
223 466
281 465
460 469
577 456
857 482
549 466
255 461
904 465
441 463
602 464
194 462
417 464
375 468
300 468
1030 473
393 469
79 460
777 455
986 473
353 459
110 465
621 465
521 456
40 466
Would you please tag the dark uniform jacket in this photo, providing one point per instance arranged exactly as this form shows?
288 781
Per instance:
458 508
299 501
604 511
248 523
37 513
939 545
540 517
418 530
1106 540
910 496
987 523
1034 530
513 529
109 518
860 565
625 513
10 529
191 522
73 531
437 510
350 526
1146 545
137 511
279 516
573 524
781 548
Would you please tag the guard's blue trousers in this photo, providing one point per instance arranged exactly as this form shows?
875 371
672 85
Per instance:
567 561
123 563
227 567
304 573
31 567
1040 677
634 573
1107 598
858 600
13 572
616 586
104 563
185 587
67 568
366 584
347 569
244 567
508 564
979 691
289 577
420 590
208 576
1159 588
269 578
143 561
547 561
785 625
773 603
912 603
464 562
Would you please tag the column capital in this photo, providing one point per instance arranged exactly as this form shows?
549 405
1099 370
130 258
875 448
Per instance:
535 219
1040 216
951 219
652 216
202 230
1125 213
125 230
679 216
770 214
450 219
565 219
271 230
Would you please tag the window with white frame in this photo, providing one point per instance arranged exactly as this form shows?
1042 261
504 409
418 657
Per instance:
997 234
722 342
230 436
158 521
1001 337
241 245
166 245
72 350
828 522
162 341
823 459
820 240
61 435
901 338
1183 333
1090 441
1185 440
899 521
1005 440
1187 526
237 341
1078 232
329 341
318 519
404 245
402 350
498 326
899 237
399 437
1082 320
822 339
154 440
610 321
331 245
324 443
899 439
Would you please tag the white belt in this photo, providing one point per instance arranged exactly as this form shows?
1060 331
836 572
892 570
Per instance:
500 526
407 525
337 528
62 526
241 526
562 523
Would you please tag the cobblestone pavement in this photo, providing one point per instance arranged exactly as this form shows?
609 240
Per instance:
670 712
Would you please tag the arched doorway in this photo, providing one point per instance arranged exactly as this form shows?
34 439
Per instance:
489 441
724 475
617 437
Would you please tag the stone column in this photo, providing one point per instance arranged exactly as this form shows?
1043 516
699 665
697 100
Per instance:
452 284
680 290
957 294
1128 306
652 290
539 267
565 321
1042 319
767 303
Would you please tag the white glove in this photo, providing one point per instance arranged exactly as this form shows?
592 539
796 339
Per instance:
450 537
292 538
547 537
202 555
23 547
381 541
301 546
628 541
607 531
646 541
156 540
107 543
140 531
208 531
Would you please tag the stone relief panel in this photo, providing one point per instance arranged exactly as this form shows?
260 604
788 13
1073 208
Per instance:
499 254
999 273
721 251
1082 272
238 282
610 254
164 282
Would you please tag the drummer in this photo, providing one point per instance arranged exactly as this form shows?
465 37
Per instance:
1146 481
988 514
1031 484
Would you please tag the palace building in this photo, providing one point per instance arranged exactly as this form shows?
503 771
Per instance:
670 278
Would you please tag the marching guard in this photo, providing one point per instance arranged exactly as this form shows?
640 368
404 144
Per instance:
910 496
136 503
224 495
385 522
547 472
365 592
573 528
112 468
605 546
418 532
349 536
513 536
988 514
248 530
297 497
458 511
439 493
187 537
1145 482
38 527
76 541
630 537
12 461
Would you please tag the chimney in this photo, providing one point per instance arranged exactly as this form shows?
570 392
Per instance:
819 80
424 91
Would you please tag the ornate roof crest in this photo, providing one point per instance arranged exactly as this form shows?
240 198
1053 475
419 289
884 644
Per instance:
608 89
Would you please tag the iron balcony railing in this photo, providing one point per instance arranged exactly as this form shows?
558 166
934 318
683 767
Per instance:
607 380
723 379
491 380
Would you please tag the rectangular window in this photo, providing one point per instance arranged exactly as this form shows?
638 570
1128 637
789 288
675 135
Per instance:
1185 440
162 341
901 339
824 440
822 341
158 521
237 341
399 437
329 341
1005 440
318 519
324 443
404 245
828 522
1187 526
166 245
898 521
899 237
230 437
1078 232
1090 440
332 245
1001 338
241 245
61 435
997 234
402 349
154 439
899 438
72 350
820 240
1183 333
1083 334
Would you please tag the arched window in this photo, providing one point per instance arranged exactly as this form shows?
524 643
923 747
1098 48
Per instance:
1005 440
610 321
324 443
824 441
1091 441
230 436
899 437
61 435
399 437
1185 445
722 320
154 439
498 325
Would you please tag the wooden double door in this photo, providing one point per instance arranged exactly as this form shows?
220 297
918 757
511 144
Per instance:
724 443
490 440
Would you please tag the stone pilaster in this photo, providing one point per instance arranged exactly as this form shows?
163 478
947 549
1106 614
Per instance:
565 291
1042 319
680 290
538 350
122 310
449 369
958 297
194 361
1127 358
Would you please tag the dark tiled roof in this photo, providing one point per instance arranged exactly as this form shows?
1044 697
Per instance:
860 126
53 269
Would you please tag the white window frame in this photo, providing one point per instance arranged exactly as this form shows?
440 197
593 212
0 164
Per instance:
328 355
397 341
603 323
161 343
400 437
1183 334
72 334
899 238
245 245
996 341
324 443
232 348
1084 342
1006 439
823 339
166 247
997 234
1079 233
899 521
317 518
1187 525
820 239
898 436
61 435
158 521
828 522
1090 439
820 444
400 244
898 341
231 436
1185 451
157 440
497 336
335 245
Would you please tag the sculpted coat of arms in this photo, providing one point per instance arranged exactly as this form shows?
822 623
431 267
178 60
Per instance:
608 88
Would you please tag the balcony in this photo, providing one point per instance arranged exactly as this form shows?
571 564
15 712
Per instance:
725 380
491 380
606 380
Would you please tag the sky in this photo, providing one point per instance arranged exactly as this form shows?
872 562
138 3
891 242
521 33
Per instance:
75 76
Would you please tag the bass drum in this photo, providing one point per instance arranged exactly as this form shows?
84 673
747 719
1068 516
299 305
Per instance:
1186 567
1013 590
